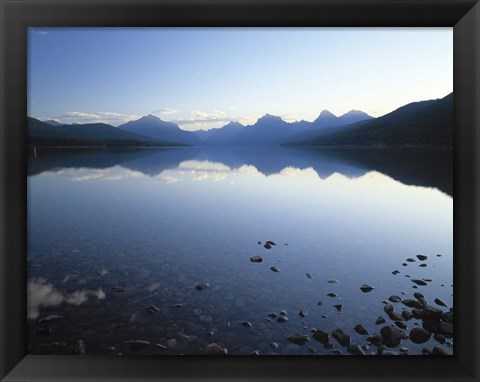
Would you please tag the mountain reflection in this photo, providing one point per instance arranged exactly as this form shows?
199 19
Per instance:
425 168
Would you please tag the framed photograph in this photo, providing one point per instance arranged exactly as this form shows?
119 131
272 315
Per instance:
268 183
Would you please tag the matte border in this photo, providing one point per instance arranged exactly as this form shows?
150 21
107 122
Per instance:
17 15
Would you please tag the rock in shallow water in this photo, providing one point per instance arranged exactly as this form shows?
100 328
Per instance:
419 282
303 313
341 337
365 288
320 336
202 286
361 330
391 336
275 269
440 302
419 335
247 324
422 257
298 339
355 349
256 259
380 320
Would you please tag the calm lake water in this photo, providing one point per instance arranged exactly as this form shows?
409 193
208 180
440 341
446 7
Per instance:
111 233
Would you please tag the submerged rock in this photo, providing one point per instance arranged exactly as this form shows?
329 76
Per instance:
282 319
380 320
152 309
309 275
419 335
338 307
361 330
331 294
440 302
395 298
419 282
303 313
355 349
298 339
332 281
202 286
410 260
391 336
247 324
320 336
365 288
341 337
275 269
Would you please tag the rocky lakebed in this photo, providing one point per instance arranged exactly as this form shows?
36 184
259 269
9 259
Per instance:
221 316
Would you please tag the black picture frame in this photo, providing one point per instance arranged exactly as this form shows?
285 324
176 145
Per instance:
17 15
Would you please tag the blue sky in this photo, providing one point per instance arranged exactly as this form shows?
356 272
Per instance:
205 77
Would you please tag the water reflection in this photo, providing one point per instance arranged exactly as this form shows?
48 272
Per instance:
426 168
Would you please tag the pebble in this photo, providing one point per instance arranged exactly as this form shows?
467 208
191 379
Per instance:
422 257
298 339
388 308
311 349
375 340
247 324
404 264
418 295
283 312
152 309
445 328
355 349
331 294
282 319
380 320
273 345
407 315
342 338
360 329
320 336
332 281
440 302
256 259
177 306
395 272
275 269
410 260
202 286
419 282
401 324
439 338
419 335
423 265
391 336
338 307
365 288
273 314
270 242
303 313
395 298
309 275
431 313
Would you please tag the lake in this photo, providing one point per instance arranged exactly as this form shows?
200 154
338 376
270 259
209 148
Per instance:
119 241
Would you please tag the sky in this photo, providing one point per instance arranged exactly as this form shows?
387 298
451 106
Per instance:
201 78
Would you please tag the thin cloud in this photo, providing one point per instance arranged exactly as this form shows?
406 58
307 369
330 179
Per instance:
165 111
109 117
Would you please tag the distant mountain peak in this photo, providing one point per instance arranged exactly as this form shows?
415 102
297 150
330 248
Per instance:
326 113
150 117
356 112
233 124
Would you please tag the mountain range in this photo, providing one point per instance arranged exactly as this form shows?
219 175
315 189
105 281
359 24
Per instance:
424 123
